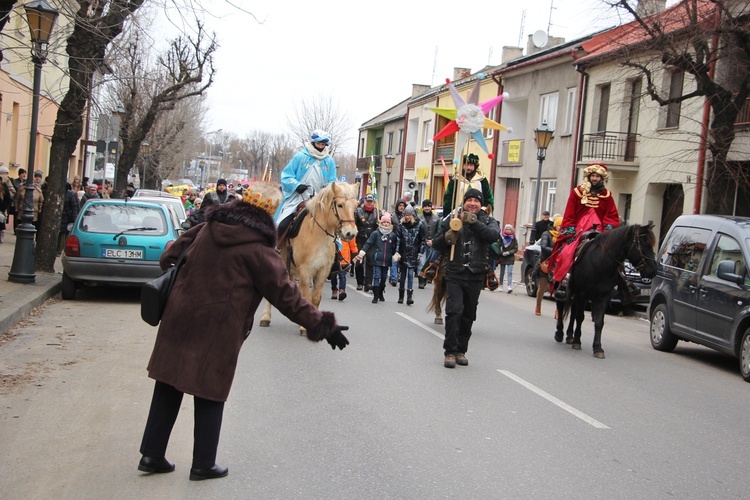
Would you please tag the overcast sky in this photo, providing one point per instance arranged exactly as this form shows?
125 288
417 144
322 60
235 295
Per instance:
365 55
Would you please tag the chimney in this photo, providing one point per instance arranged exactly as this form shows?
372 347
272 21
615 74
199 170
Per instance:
649 7
417 89
460 73
511 53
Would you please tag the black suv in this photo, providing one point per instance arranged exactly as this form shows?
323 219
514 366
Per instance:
701 292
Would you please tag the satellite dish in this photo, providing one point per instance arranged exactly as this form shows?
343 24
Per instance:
539 39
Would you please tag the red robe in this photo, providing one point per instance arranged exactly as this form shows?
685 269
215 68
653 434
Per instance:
580 216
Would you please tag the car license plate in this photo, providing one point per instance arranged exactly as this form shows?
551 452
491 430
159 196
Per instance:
122 253
646 291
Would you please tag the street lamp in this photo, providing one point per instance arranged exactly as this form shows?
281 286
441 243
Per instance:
202 165
145 149
41 17
543 136
388 169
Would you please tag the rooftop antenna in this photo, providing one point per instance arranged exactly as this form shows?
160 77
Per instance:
489 57
520 32
549 23
434 67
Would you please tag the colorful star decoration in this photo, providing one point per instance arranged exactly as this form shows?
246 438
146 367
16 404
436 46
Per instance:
468 119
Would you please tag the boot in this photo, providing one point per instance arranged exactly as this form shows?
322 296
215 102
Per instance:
422 282
382 291
400 295
375 294
409 299
561 292
342 294
334 294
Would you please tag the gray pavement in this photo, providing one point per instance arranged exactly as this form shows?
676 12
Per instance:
18 300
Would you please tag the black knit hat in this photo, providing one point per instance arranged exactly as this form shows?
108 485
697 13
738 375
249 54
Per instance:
221 181
426 203
473 193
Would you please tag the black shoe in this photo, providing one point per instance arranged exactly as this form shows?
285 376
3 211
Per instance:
394 283
212 473
359 287
155 465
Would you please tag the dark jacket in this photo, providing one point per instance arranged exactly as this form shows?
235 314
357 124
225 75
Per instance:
511 248
70 209
471 253
367 222
411 243
230 266
545 250
381 247
539 228
430 225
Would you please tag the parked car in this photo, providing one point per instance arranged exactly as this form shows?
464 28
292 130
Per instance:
701 291
116 242
162 198
640 289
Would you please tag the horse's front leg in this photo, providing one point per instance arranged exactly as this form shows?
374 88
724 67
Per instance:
598 309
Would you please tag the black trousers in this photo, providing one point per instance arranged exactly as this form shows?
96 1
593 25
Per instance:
165 405
462 299
364 272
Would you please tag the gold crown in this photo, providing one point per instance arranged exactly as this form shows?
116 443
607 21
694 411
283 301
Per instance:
263 195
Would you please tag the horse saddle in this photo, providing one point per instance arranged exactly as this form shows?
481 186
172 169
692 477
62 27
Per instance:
583 242
294 226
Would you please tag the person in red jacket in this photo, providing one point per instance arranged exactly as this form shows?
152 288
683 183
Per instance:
590 205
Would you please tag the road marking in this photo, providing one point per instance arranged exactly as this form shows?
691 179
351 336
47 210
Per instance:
422 325
552 399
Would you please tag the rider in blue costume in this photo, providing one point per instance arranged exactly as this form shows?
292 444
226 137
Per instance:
308 172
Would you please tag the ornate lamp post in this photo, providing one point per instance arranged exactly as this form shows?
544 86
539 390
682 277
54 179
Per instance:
543 137
145 149
388 169
41 17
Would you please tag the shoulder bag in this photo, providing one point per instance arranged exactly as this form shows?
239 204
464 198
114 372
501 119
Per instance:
155 293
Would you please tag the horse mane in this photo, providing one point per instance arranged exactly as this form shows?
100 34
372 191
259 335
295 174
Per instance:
621 236
321 200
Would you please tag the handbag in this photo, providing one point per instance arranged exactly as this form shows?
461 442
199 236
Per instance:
155 293
491 280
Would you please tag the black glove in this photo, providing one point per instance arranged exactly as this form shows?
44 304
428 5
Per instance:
337 339
301 188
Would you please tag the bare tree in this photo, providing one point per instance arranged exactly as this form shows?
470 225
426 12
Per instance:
708 40
184 72
320 113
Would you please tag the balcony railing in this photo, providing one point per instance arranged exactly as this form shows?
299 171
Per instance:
744 117
611 146
363 164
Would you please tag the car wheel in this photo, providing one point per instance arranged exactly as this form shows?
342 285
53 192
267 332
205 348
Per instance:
745 355
530 283
662 338
68 288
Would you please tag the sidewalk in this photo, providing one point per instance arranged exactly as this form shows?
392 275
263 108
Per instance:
16 299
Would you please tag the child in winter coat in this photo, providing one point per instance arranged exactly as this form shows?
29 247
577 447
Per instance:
338 273
508 249
411 244
384 242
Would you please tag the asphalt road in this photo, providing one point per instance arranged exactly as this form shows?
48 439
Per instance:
528 418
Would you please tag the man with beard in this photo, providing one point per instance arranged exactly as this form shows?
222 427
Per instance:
429 221
220 196
589 205
472 178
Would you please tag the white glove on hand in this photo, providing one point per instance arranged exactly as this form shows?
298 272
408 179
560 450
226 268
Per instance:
505 254
396 257
360 256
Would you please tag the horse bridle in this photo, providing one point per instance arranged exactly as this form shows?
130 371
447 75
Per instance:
637 244
335 211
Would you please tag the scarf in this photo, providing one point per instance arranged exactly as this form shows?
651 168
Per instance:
319 155
507 238
554 235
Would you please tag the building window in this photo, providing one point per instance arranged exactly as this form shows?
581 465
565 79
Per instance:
601 123
426 134
570 112
548 109
546 196
390 143
490 132
400 140
675 91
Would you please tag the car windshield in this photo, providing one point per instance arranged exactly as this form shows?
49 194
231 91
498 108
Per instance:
111 218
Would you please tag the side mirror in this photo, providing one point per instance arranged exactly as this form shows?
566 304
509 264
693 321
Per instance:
725 271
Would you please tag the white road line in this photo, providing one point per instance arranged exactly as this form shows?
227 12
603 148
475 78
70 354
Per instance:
422 325
552 399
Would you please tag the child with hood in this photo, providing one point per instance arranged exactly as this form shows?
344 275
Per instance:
384 242
411 245
508 249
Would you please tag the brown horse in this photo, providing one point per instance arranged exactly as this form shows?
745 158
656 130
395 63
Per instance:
438 296
310 254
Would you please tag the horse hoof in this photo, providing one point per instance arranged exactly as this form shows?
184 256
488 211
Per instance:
576 347
265 322
569 340
599 354
558 337
438 321
302 331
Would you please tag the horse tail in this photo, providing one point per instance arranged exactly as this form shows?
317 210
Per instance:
438 293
